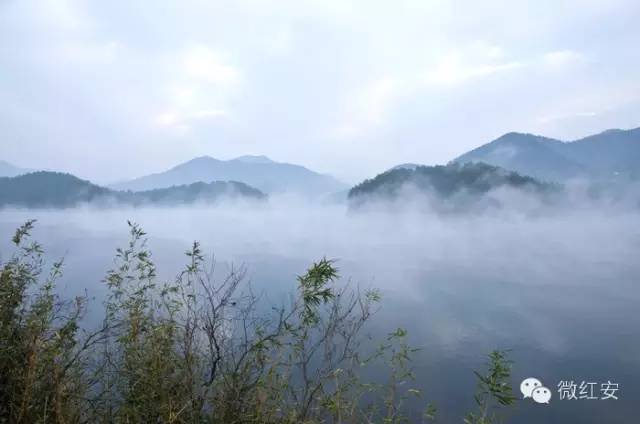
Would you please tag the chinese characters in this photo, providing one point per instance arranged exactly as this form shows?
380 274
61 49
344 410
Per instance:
570 390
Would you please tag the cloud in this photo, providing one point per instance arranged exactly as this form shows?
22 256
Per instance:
551 118
199 90
209 113
376 98
97 53
294 79
368 107
202 63
461 65
562 59
371 105
166 119
451 71
181 123
60 15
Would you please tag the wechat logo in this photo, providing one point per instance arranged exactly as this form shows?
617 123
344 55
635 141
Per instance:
534 389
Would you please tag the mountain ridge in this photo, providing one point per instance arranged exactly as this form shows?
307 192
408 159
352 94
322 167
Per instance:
8 169
43 189
258 171
610 154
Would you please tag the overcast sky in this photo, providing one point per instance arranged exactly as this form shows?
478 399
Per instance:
110 90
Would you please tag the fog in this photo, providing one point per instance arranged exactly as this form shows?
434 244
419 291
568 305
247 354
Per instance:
558 286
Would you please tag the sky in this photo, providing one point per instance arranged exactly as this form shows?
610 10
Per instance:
110 90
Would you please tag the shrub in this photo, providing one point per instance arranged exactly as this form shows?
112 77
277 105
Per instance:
196 350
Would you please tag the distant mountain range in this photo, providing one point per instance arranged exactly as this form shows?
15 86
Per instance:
612 155
58 190
256 171
451 186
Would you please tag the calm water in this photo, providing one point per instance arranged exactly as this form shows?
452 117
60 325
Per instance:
559 290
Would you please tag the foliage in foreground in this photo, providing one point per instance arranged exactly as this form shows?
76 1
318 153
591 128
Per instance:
194 350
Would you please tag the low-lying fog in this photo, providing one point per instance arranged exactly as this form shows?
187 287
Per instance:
559 288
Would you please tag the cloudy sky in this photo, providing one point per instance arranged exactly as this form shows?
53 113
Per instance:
110 90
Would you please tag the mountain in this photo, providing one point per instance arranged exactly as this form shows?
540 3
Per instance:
254 159
612 152
610 155
451 186
58 190
192 193
256 171
527 154
10 170
406 166
48 189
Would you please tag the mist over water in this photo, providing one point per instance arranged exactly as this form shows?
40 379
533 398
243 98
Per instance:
559 286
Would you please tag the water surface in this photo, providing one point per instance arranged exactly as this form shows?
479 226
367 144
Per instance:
559 289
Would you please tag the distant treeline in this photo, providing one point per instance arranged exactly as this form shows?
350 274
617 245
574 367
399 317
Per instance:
469 180
455 184
59 190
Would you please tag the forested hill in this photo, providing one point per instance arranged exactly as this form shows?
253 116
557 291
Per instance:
470 180
196 192
48 189
59 190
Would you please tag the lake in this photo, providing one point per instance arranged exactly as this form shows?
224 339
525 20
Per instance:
558 289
